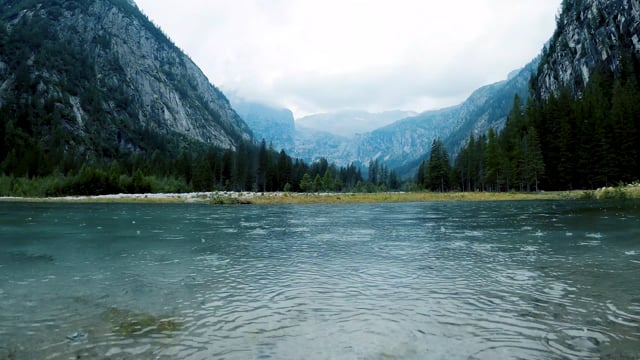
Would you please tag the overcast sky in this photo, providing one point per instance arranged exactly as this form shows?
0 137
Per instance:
323 55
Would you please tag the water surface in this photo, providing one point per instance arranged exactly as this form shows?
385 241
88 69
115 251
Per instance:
460 280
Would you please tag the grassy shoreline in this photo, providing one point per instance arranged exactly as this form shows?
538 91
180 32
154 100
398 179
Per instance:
228 198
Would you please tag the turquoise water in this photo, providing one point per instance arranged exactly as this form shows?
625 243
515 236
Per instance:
502 280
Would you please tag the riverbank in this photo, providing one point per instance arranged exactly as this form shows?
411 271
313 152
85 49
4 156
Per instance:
229 198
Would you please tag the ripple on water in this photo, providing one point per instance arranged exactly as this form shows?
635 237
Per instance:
509 351
518 277
590 243
624 317
371 282
594 235
578 342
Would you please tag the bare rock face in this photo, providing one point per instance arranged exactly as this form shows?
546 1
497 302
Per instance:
275 125
589 34
130 75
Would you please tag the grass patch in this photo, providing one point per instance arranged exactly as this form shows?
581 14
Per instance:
216 199
129 323
620 193
364 198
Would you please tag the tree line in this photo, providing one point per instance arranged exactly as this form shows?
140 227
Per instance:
26 170
45 150
563 142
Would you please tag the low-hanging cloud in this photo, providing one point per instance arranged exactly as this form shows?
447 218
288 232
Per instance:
313 56
377 90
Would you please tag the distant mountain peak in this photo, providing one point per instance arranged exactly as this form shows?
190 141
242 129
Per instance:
348 123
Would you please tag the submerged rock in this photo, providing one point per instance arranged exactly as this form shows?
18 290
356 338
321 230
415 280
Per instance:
77 337
26 257
130 323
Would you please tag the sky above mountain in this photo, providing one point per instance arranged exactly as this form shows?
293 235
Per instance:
318 56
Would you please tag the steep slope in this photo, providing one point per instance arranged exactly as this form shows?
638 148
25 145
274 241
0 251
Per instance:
587 89
491 107
406 143
590 34
95 77
311 145
275 125
404 140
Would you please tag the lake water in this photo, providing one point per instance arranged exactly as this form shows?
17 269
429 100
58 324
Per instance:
486 280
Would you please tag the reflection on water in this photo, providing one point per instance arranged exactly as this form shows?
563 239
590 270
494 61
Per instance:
489 280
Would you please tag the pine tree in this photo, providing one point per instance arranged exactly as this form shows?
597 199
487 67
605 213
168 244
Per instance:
306 185
439 168
626 144
494 161
533 162
263 166
327 181
421 178
285 167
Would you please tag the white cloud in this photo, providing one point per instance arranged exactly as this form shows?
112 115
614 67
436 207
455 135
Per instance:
374 55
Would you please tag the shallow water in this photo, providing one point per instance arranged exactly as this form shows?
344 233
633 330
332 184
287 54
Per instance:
460 280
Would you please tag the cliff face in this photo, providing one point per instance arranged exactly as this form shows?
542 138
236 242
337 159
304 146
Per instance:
104 69
589 34
275 125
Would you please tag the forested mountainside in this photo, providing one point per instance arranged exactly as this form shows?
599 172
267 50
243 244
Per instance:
587 109
402 144
95 99
485 108
590 35
580 128
92 81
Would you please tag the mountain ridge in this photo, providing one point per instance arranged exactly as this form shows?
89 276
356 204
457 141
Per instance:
349 123
107 81
405 142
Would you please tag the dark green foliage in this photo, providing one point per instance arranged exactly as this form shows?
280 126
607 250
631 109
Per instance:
592 141
63 127
435 175
469 170
563 142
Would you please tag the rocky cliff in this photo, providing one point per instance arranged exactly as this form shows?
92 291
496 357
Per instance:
275 125
589 34
106 76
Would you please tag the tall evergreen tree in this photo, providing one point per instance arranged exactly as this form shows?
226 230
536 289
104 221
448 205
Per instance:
494 162
263 166
533 166
439 168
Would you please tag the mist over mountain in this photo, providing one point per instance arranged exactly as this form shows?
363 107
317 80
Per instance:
96 81
351 122
402 143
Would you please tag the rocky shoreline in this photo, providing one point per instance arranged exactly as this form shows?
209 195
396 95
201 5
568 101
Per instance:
629 192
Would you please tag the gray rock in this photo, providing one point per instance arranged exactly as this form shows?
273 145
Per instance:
589 33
